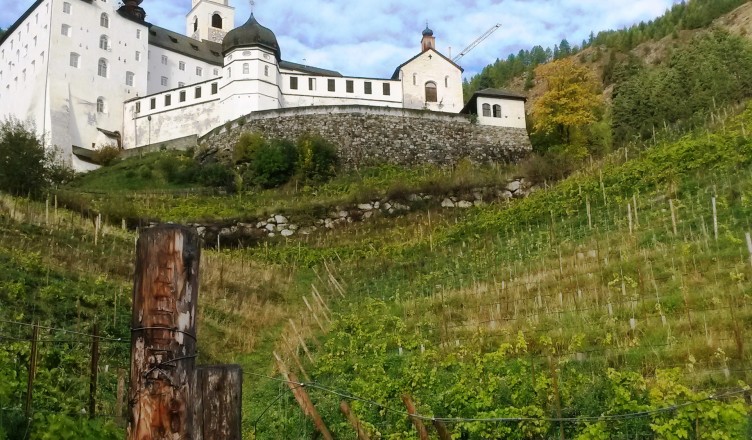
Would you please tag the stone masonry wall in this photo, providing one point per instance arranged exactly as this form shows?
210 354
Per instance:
367 135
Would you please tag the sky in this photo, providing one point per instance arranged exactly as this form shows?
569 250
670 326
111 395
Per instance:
370 38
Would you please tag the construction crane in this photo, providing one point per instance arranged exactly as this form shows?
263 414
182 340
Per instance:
480 39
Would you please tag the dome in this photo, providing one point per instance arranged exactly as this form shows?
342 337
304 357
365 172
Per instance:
251 34
427 32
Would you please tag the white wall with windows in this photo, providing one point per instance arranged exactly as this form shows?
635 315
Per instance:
501 112
250 82
171 114
176 68
300 90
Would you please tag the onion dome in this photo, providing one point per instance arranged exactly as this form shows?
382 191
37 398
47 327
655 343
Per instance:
427 32
251 34
131 9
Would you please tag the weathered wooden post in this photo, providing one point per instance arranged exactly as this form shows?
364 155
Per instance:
216 402
163 341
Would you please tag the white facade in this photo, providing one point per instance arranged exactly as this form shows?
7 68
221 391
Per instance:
92 72
499 108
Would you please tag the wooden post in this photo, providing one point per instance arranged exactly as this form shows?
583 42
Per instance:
354 422
749 246
163 339
422 431
32 370
673 215
442 430
120 395
715 219
301 396
217 402
93 372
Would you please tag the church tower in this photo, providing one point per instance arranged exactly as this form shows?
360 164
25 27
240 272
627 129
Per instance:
428 41
209 20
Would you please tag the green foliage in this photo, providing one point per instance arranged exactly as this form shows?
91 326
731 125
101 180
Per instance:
106 155
317 159
246 147
61 427
216 175
273 163
715 70
22 159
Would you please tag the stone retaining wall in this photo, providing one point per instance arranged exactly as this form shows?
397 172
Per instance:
370 135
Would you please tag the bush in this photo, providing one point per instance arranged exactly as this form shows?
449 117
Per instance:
549 167
317 159
273 164
246 147
217 176
169 167
106 155
145 172
58 426
25 166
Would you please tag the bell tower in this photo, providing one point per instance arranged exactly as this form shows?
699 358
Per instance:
428 41
209 20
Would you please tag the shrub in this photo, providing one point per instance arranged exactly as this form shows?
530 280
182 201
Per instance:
145 172
23 162
317 159
549 167
246 147
273 164
169 167
106 155
217 176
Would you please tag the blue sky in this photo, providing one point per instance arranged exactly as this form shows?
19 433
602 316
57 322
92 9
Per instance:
370 38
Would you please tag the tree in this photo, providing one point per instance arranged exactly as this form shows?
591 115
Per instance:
571 102
25 166
2 32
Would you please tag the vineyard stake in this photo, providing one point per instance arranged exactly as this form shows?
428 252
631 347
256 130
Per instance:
32 370
93 372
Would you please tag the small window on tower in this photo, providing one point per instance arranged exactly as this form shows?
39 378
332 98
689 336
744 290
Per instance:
266 70
246 69
182 96
167 100
153 103
294 82
217 21
198 92
195 24
181 65
100 105
104 20
138 107
66 8
129 79
214 88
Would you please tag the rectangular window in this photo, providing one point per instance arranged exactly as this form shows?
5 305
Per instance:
164 59
367 87
138 34
311 83
182 96
181 65
198 92
214 88
387 89
199 71
66 8
163 81
65 30
129 79
74 57
138 56
350 86
138 107
153 103
330 85
167 100
294 82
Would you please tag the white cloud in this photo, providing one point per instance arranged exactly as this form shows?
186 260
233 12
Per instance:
370 38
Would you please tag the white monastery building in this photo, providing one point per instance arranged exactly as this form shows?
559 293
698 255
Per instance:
90 73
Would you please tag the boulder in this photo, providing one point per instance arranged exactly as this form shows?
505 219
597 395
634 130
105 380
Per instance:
447 203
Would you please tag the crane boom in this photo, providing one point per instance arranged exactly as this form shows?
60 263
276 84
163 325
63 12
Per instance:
480 39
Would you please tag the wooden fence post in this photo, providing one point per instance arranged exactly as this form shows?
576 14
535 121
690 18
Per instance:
301 396
93 372
163 338
32 370
442 430
354 422
419 426
216 403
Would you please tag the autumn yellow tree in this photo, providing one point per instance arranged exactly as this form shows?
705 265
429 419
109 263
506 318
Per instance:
571 102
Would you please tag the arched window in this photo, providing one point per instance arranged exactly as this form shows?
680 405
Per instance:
431 95
102 68
217 21
487 110
103 42
100 105
246 69
195 24
104 20
497 111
